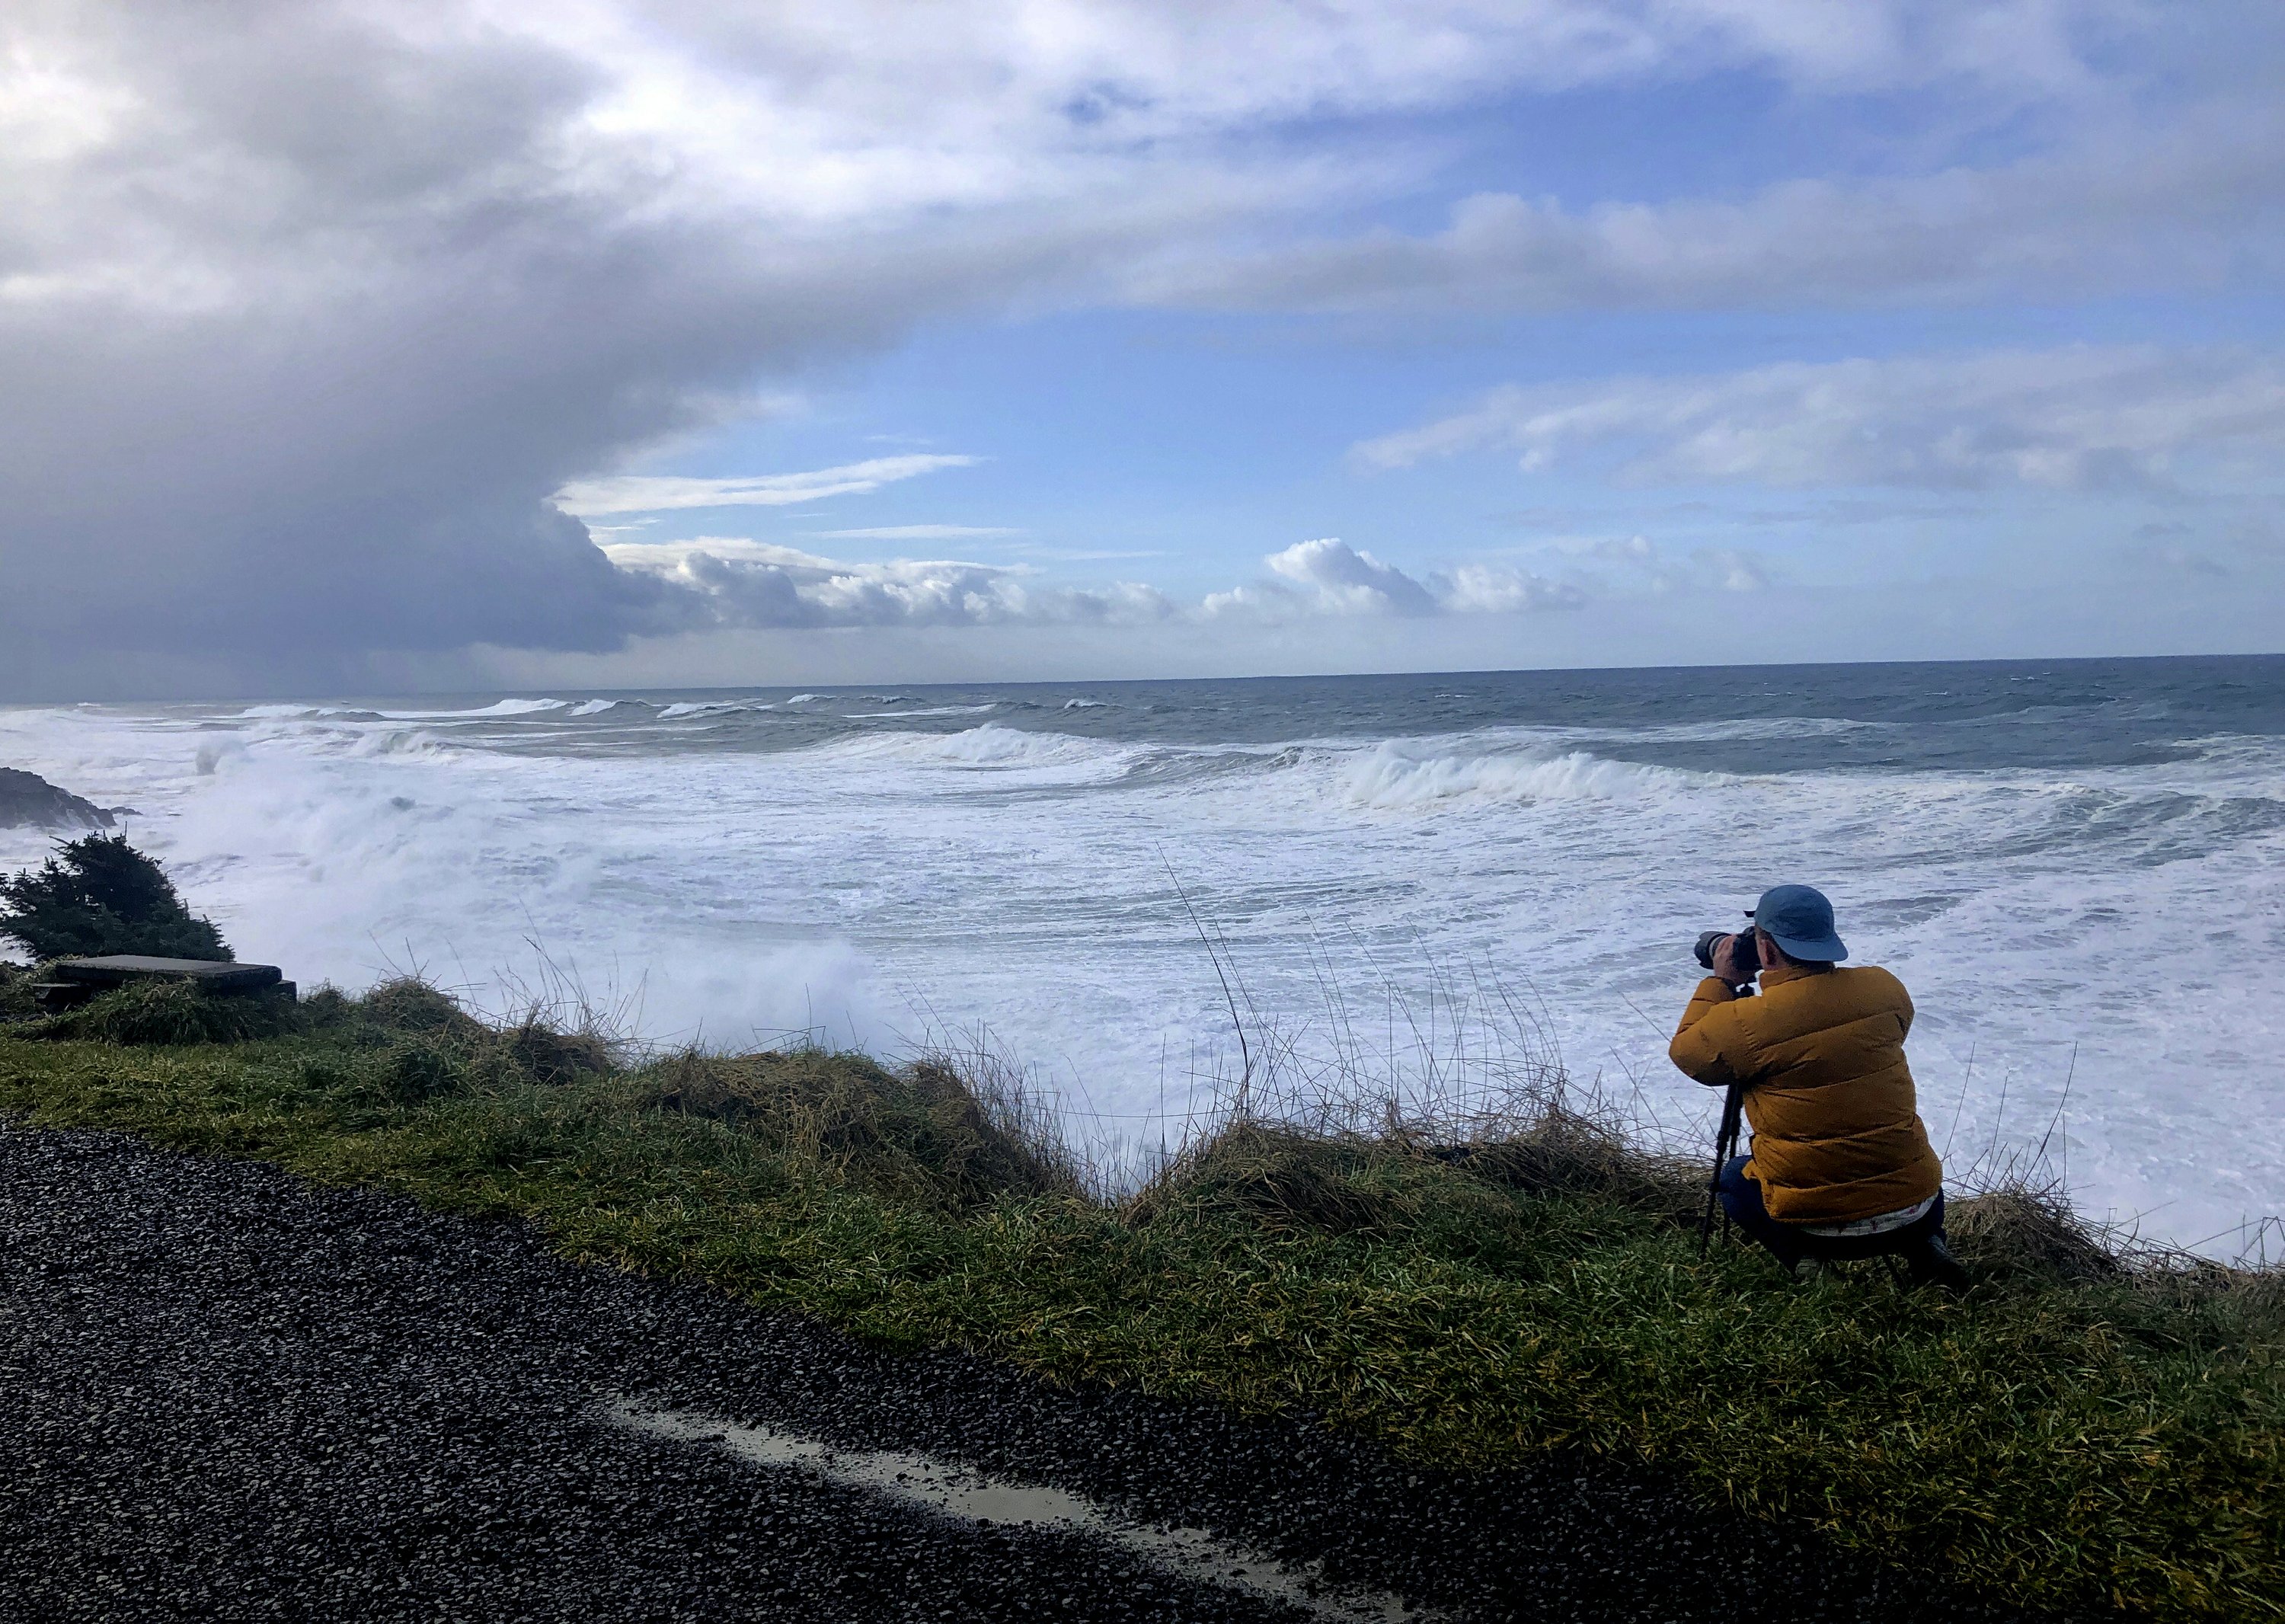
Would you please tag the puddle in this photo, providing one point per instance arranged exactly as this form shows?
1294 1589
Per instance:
973 1496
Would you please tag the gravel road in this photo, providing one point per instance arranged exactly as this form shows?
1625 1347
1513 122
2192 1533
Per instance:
226 1394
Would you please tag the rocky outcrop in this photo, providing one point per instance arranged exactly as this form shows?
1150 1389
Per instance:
28 800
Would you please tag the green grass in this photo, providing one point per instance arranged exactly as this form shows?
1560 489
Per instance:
2071 1432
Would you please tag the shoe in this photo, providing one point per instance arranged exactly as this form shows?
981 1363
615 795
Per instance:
1932 1264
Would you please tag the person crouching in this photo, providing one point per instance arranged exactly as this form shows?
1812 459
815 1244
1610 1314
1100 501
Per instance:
1841 1166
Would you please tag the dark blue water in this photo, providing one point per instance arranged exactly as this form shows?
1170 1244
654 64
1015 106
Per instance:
2052 713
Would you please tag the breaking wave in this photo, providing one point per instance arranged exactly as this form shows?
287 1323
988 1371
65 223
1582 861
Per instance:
875 715
712 707
1392 777
505 707
285 713
991 745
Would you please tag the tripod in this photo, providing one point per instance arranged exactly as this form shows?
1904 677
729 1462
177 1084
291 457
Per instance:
1725 1146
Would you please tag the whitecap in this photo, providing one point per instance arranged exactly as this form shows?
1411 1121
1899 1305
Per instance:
713 707
991 745
1391 778
505 707
399 741
875 716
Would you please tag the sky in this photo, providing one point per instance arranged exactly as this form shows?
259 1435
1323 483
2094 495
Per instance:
470 344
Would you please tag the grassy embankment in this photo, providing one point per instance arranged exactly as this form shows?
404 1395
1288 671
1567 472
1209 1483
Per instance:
2079 1428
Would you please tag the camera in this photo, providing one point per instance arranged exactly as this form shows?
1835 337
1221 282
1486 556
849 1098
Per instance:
1749 956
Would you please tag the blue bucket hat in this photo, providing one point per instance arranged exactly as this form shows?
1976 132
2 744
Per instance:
1799 920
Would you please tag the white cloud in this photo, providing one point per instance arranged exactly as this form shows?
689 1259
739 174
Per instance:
2195 203
657 494
865 108
1621 566
1738 569
739 581
727 580
1339 579
2074 418
1501 589
1329 578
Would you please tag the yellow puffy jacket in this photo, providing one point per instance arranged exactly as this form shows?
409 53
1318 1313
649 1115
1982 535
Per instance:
1837 1134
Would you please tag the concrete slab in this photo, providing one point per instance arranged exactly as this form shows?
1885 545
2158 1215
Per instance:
216 976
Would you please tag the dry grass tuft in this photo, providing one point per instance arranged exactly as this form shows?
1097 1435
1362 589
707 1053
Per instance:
1399 1107
555 1057
406 1003
2021 1228
1283 1179
170 1013
1567 1151
921 1131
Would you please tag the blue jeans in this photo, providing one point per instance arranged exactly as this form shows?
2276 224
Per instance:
1789 1244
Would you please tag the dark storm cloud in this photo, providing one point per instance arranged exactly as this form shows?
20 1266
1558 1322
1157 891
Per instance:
307 323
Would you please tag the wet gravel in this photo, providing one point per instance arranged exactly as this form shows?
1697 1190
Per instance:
225 1394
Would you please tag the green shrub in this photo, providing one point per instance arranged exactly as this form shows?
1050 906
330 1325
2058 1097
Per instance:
98 895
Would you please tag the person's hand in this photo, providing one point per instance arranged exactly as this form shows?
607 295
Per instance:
1726 965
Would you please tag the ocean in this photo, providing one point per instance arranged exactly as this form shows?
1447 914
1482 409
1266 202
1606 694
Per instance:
2076 866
